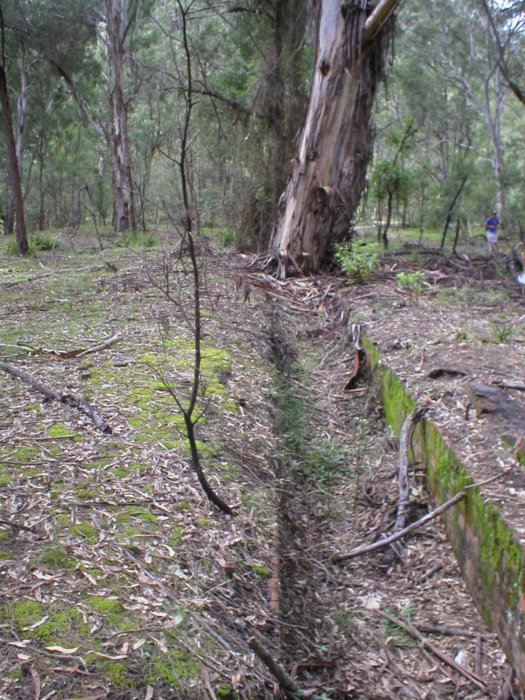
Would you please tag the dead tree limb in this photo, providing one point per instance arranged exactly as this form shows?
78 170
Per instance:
449 661
285 681
366 549
66 354
51 395
16 526
403 484
100 346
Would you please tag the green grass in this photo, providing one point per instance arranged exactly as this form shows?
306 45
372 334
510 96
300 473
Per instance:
136 240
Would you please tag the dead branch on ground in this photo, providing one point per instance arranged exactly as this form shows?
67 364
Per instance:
285 681
425 643
66 354
366 549
403 485
51 395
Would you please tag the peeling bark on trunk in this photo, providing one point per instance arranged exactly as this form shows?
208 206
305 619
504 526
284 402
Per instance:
328 175
116 25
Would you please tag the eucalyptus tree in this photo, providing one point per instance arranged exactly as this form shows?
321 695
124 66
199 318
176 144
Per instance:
65 33
120 16
41 34
506 22
261 75
329 172
469 59
13 165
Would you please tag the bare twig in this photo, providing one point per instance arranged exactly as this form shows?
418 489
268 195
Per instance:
67 354
506 691
365 549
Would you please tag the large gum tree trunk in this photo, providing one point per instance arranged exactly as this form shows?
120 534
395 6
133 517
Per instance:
328 175
13 172
116 27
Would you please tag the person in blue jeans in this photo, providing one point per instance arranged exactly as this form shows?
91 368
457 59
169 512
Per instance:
491 231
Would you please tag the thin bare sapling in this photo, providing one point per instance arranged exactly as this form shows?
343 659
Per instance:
189 409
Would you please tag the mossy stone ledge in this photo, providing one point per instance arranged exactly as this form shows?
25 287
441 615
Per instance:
489 550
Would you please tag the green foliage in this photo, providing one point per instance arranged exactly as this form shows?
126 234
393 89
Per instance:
38 242
10 246
411 280
502 331
358 259
137 240
227 238
390 178
42 242
397 635
225 691
322 465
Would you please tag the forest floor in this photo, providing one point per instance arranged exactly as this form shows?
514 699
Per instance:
118 578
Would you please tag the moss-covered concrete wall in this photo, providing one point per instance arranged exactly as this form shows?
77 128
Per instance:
490 554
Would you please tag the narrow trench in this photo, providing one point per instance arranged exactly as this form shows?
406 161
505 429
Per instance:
305 626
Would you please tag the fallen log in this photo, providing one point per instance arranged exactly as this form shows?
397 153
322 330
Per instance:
51 395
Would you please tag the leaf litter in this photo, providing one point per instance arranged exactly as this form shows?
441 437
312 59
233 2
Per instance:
128 584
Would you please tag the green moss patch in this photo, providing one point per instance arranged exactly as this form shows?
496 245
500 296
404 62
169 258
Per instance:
138 512
86 530
260 570
54 625
56 557
25 454
61 430
105 606
172 668
5 476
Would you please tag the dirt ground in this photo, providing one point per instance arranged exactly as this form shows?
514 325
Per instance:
119 579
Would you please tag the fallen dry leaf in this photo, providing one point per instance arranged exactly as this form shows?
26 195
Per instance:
62 650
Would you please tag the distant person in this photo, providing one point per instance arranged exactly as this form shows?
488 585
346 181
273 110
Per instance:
491 231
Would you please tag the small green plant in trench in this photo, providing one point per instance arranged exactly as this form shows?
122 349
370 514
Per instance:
397 635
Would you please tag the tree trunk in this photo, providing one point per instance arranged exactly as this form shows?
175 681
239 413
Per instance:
116 27
494 122
41 192
13 172
328 175
21 110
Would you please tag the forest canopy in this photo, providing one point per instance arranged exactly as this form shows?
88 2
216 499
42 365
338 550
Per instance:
98 90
